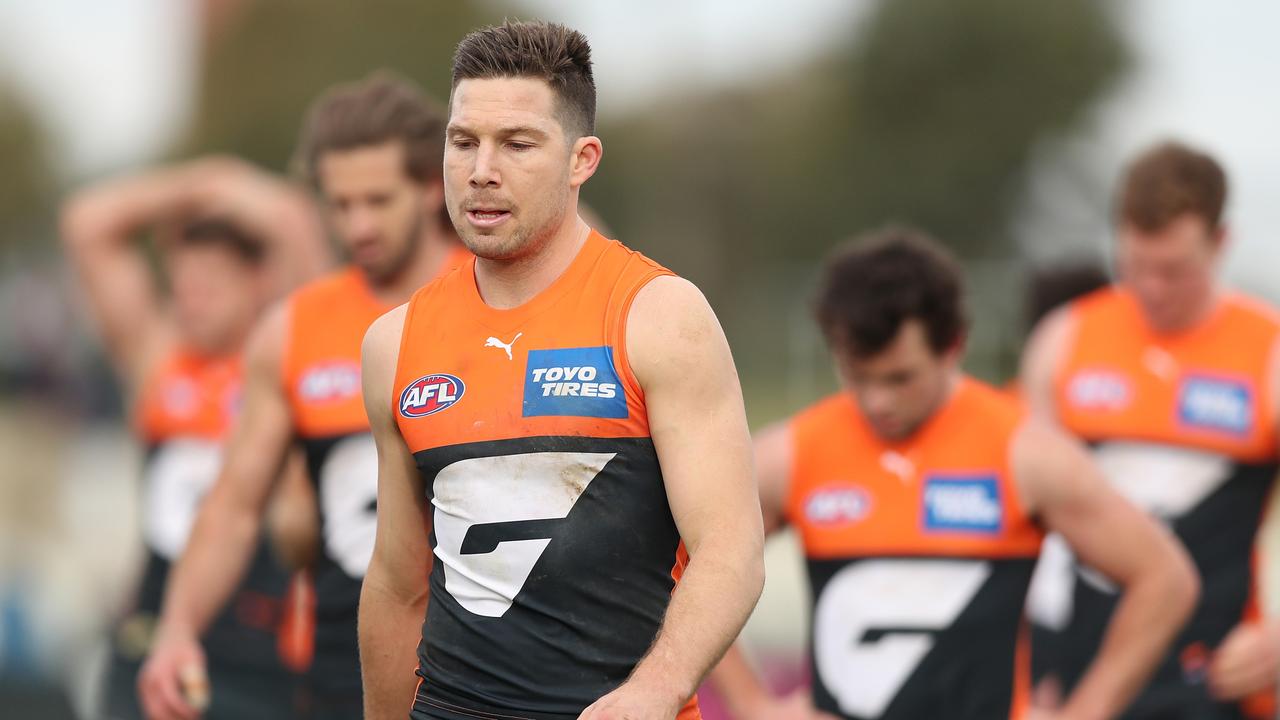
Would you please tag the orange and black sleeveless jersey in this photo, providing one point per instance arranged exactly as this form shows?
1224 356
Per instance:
183 414
555 550
919 554
1184 426
321 376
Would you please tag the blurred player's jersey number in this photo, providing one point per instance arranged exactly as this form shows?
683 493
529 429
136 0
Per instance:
349 500
876 622
178 475
495 516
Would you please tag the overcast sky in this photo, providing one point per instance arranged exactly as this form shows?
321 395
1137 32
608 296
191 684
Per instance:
113 80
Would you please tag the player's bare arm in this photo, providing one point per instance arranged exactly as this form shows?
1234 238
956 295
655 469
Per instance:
1039 361
1248 660
98 232
268 207
1157 579
393 599
683 363
735 679
226 530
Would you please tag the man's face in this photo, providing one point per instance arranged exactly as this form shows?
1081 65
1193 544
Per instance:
216 296
377 210
903 385
1171 270
509 168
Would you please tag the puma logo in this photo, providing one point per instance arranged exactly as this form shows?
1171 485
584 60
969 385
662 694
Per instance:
496 343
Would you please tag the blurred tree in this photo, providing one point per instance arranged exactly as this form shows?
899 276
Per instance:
26 185
264 66
929 114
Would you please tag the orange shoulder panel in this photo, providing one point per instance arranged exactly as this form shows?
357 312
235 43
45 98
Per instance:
510 373
190 396
947 490
1207 388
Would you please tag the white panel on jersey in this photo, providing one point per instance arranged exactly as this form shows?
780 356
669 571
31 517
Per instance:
1164 480
509 488
912 598
348 490
180 473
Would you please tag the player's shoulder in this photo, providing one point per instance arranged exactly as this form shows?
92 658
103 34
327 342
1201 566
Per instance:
384 334
990 401
333 286
631 256
823 415
1252 313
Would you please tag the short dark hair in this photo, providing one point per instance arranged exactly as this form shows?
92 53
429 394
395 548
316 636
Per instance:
378 109
875 283
546 51
1053 286
1169 180
218 232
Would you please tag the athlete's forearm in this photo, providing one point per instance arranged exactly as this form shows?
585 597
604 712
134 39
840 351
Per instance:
737 683
715 597
388 646
217 554
1151 611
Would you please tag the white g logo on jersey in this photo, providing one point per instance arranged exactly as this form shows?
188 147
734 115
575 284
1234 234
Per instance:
177 477
865 676
477 492
348 493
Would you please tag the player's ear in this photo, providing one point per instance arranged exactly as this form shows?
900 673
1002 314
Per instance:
584 159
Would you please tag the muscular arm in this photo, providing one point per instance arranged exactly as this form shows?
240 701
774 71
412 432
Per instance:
1248 660
99 228
1157 580
698 426
225 533
1047 344
393 600
267 207
735 679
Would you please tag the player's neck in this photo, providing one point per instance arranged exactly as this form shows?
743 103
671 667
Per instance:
422 266
1197 315
509 284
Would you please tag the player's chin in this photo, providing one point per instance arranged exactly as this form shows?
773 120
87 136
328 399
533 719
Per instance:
491 246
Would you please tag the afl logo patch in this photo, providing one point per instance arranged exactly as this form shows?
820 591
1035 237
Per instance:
837 505
430 394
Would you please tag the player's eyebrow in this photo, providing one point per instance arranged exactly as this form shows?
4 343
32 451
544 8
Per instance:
455 130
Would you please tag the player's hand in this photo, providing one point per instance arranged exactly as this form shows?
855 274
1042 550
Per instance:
634 701
1247 661
173 684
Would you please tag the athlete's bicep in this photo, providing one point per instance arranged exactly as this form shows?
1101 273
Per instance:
1040 361
696 419
1062 485
117 283
263 430
773 454
400 544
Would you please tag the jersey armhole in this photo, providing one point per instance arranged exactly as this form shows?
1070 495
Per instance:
405 329
791 503
622 360
287 368
1019 510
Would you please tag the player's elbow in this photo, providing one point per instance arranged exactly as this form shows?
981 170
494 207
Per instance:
1173 582
1181 583
78 221
751 565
